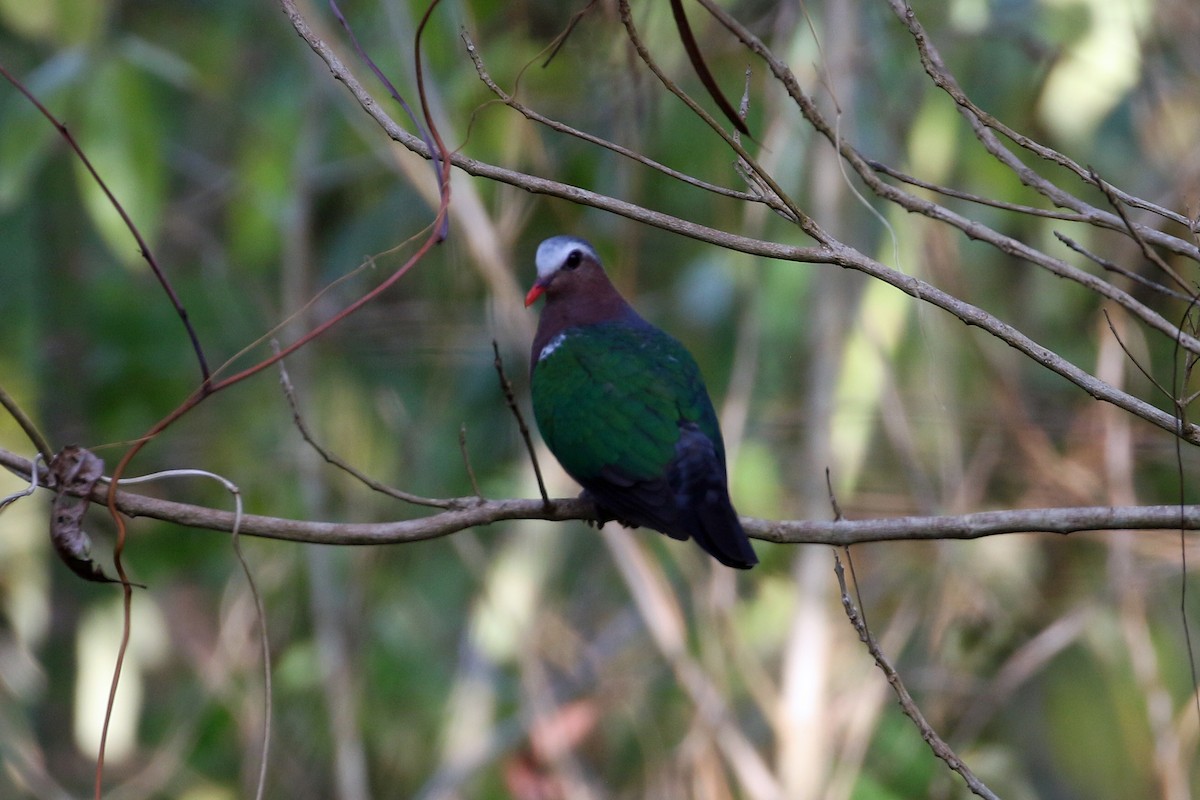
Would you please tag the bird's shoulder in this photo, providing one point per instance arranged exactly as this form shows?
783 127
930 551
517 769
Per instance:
633 348
615 394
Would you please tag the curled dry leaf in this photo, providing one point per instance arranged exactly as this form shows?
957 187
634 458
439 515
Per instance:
74 472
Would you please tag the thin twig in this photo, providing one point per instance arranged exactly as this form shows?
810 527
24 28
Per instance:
561 38
1117 268
833 501
1151 255
1178 385
984 126
958 194
466 457
907 704
264 643
806 223
511 399
1133 360
27 425
330 457
560 127
122 650
143 247
970 227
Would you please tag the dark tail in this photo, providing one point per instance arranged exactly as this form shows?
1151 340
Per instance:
716 528
697 476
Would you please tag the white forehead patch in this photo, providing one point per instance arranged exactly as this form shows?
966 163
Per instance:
554 251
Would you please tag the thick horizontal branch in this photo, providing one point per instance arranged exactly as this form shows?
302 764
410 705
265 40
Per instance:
977 525
845 532
483 512
486 512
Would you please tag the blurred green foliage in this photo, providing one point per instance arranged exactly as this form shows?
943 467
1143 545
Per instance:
441 668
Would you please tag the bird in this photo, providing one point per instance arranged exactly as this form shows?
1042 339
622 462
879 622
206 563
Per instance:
622 405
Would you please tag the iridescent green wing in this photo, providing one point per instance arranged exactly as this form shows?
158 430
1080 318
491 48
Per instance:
609 399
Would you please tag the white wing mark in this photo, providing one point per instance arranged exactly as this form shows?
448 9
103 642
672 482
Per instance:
551 346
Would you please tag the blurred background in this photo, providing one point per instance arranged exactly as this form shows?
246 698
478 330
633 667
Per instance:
540 660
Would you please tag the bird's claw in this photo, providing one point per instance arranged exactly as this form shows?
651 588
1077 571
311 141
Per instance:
603 515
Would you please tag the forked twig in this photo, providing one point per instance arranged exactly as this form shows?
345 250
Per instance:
907 704
985 127
560 127
806 223
1153 257
1110 266
970 227
436 161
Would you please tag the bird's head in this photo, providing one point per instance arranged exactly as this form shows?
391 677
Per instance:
566 265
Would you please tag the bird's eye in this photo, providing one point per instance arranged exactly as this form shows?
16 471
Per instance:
573 259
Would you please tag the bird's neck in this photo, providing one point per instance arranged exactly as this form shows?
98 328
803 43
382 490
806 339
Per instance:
559 316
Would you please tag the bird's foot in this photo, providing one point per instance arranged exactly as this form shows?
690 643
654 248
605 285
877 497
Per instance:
603 515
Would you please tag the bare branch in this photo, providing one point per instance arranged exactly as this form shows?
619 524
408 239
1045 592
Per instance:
563 128
971 228
538 185
1135 233
907 704
843 532
983 125
834 252
806 223
1112 267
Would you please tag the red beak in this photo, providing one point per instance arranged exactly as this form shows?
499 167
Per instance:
534 293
